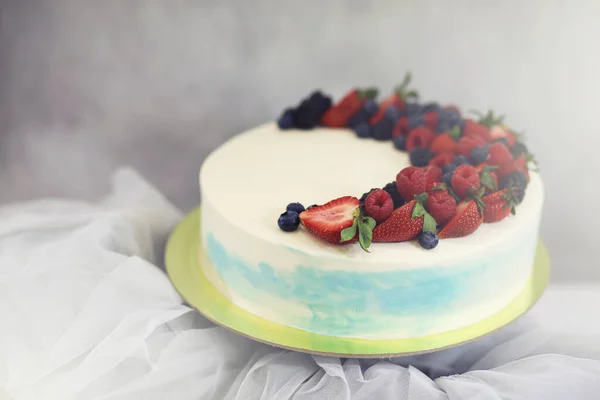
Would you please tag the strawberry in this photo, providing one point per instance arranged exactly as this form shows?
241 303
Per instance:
442 159
410 181
441 205
397 99
400 226
498 205
519 164
464 180
499 154
488 177
466 221
446 142
475 130
338 115
328 220
466 144
420 136
432 174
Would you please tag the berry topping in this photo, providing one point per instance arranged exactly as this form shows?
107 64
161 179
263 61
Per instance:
392 190
466 221
460 160
479 155
296 207
498 205
382 130
339 115
364 196
432 174
428 240
400 226
287 119
400 142
516 179
362 130
288 221
446 142
413 109
328 220
442 160
430 107
447 178
499 154
419 137
466 144
420 157
415 120
311 110
410 181
379 205
464 180
475 130
518 149
441 205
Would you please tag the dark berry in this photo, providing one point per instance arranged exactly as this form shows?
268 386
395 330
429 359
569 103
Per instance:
448 168
309 112
420 157
370 106
393 113
428 240
502 140
364 196
288 221
382 129
479 155
518 194
400 142
362 130
296 207
415 120
286 120
516 179
313 206
443 126
447 178
518 149
392 189
460 160
413 108
429 107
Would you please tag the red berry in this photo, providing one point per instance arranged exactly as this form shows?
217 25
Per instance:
441 205
379 205
465 222
420 136
442 159
466 144
328 221
400 226
401 127
430 186
497 206
392 100
431 120
464 179
335 117
499 154
410 181
475 130
443 143
432 174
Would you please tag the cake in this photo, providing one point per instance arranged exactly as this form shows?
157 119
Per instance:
406 284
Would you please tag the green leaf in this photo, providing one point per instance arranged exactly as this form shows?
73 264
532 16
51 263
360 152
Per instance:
453 194
455 132
368 93
350 232
365 236
418 210
370 222
429 223
422 198
488 181
441 186
489 168
411 94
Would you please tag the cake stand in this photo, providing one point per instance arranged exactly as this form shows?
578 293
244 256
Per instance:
183 268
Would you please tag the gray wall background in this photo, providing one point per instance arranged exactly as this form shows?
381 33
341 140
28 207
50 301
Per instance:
86 86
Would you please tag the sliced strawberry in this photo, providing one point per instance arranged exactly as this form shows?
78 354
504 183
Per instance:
400 226
465 222
497 206
328 221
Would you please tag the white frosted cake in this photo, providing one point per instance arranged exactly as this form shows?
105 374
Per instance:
395 290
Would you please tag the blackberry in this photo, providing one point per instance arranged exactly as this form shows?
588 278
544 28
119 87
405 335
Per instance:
516 179
382 129
420 157
287 119
392 189
310 111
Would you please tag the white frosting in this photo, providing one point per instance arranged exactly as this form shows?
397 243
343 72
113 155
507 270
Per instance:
247 182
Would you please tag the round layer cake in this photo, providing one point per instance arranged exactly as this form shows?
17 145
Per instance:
397 290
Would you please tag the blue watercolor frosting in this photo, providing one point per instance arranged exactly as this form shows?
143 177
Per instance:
344 302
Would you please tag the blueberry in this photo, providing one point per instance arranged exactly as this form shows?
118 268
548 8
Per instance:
448 168
420 157
393 113
460 160
288 221
518 149
392 189
447 178
516 179
295 207
313 206
479 155
286 120
502 140
382 129
413 108
362 130
370 106
428 240
429 107
415 120
400 142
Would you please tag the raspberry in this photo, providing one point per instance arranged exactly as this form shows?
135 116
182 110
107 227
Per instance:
419 137
465 178
379 205
441 205
432 174
499 154
442 159
466 144
410 181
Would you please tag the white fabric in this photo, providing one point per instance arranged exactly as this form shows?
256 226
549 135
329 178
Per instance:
86 314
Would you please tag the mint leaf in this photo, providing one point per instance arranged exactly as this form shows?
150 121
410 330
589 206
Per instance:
418 210
350 232
365 236
368 93
429 223
370 222
488 181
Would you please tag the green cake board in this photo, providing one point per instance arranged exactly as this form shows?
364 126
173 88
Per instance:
183 267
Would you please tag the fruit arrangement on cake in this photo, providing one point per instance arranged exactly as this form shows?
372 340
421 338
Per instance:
466 171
